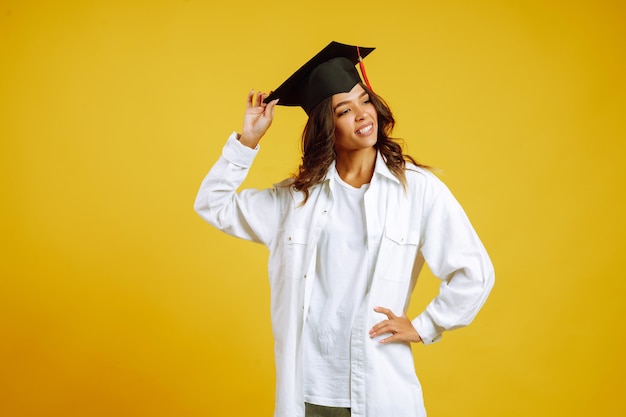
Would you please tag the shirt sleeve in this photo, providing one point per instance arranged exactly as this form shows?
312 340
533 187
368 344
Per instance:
249 214
456 256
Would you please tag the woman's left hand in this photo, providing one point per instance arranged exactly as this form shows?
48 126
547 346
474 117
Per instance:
400 327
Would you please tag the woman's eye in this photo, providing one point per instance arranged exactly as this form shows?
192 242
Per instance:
345 111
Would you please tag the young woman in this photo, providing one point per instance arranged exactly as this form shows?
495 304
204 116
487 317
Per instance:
348 236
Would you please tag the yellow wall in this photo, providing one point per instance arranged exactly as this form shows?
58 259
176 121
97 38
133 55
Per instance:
117 300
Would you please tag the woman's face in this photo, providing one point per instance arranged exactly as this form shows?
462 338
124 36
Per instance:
356 120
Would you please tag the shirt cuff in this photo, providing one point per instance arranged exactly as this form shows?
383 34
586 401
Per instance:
237 153
428 331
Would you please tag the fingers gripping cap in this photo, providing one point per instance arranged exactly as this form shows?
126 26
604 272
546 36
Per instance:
329 72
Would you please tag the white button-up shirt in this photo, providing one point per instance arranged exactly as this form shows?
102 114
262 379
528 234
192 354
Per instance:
405 228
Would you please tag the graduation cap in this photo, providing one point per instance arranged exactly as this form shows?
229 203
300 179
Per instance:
329 72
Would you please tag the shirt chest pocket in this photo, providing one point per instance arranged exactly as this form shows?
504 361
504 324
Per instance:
296 237
292 248
402 237
397 253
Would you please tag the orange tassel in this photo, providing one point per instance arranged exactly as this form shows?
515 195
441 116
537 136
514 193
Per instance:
362 67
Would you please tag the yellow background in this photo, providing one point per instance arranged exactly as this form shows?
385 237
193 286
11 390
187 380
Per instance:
117 300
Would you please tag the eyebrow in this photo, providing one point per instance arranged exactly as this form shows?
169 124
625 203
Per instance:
364 93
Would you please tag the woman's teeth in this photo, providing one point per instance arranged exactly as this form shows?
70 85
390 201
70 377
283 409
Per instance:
364 130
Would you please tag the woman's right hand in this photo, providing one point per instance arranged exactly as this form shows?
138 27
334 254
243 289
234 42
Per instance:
257 119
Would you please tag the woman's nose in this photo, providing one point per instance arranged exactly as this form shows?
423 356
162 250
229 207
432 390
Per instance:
360 113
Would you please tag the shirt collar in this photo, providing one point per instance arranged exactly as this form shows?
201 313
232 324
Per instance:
380 168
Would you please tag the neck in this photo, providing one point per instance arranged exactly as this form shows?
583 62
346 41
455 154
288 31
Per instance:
356 168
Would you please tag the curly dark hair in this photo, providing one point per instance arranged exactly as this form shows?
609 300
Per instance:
318 144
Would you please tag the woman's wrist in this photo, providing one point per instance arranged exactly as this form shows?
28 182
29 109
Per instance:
246 141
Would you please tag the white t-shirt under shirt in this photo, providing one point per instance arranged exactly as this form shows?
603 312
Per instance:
342 277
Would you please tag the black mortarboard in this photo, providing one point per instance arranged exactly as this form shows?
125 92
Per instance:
329 72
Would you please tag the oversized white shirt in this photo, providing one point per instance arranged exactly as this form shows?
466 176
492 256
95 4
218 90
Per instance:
423 222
